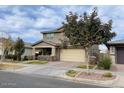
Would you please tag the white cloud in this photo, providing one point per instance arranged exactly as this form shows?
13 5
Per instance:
103 49
47 12
52 22
31 33
29 21
16 11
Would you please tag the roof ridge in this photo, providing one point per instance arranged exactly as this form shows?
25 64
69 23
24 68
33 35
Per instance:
54 30
51 43
121 41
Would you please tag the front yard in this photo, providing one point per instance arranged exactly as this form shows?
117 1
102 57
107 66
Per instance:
37 62
91 75
59 69
84 66
9 66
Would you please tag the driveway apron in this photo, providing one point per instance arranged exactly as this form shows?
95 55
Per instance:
50 69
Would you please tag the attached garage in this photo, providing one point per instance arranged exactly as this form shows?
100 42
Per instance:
72 55
120 55
116 51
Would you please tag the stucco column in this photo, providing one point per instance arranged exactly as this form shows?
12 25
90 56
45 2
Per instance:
53 51
112 53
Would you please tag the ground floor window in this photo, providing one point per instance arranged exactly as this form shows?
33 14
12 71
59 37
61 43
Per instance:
45 51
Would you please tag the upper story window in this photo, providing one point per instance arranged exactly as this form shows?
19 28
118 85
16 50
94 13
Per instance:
50 36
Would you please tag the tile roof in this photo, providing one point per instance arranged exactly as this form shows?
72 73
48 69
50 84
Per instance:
54 31
48 42
116 42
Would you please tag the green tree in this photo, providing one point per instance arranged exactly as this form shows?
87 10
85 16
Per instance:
8 46
87 30
19 48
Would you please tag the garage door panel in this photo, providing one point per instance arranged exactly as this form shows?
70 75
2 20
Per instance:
73 55
120 55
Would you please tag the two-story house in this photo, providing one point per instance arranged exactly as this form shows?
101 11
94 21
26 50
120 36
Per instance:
50 48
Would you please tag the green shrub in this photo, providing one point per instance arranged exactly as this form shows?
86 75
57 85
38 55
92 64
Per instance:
37 62
14 57
71 73
25 58
105 63
84 66
108 74
9 56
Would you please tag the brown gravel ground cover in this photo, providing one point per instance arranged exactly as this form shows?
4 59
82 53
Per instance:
95 76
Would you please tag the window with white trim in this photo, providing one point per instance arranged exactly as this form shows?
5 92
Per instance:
50 36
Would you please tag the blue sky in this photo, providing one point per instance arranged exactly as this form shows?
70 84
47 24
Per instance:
28 21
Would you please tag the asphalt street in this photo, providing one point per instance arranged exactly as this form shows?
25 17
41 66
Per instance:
14 80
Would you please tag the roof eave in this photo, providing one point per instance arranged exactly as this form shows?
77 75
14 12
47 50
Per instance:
54 31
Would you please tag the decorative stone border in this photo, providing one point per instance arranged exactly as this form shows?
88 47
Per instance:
96 82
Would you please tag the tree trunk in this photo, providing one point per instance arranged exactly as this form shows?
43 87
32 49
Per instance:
18 58
3 55
87 58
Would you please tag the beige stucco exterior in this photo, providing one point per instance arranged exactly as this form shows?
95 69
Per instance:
112 52
53 40
73 55
1 49
28 52
43 45
57 37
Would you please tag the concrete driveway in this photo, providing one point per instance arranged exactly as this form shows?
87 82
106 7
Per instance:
50 69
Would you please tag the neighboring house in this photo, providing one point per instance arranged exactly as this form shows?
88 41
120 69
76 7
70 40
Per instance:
50 47
1 48
28 50
116 51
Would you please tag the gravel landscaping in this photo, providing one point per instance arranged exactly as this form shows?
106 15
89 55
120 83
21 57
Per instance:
71 73
85 67
91 75
95 76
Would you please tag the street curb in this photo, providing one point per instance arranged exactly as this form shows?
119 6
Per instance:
107 83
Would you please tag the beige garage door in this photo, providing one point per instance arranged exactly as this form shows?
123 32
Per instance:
73 55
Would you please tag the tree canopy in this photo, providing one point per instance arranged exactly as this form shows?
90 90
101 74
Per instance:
87 30
7 46
19 48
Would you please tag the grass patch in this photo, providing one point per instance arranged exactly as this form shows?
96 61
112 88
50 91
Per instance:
37 62
4 66
108 74
71 73
85 67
